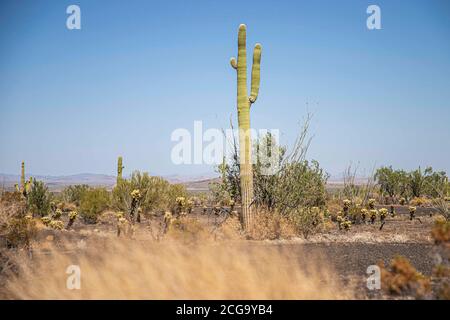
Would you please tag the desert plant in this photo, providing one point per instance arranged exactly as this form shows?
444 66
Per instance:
120 168
306 220
94 202
72 216
73 194
412 212
383 214
39 199
56 224
371 204
17 228
373 215
401 278
364 214
243 105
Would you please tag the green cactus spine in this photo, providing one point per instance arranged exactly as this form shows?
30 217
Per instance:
119 169
243 105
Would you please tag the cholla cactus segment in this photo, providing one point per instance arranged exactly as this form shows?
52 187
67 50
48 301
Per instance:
57 214
136 194
46 221
364 214
402 201
73 215
56 224
119 215
371 203
122 221
29 217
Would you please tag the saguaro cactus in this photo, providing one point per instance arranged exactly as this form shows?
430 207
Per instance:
243 105
22 178
119 169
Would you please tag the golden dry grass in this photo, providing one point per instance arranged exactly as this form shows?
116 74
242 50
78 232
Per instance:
128 269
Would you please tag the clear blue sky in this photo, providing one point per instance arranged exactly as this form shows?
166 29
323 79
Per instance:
71 101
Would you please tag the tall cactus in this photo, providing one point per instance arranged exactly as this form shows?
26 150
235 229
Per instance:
22 178
243 105
119 169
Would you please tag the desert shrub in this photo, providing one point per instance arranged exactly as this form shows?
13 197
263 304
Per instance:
306 220
401 278
73 194
271 226
17 228
39 199
441 231
92 203
156 193
393 183
419 201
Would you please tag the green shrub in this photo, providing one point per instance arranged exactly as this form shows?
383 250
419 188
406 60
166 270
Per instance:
39 199
93 202
156 193
73 194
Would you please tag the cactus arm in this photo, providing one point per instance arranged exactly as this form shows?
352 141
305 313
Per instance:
255 73
22 177
233 62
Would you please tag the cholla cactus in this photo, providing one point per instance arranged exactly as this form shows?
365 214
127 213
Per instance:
189 206
46 220
135 197
347 204
123 226
371 204
205 209
392 211
346 224
373 215
181 204
57 214
383 213
168 220
364 214
216 210
402 201
56 224
412 212
72 216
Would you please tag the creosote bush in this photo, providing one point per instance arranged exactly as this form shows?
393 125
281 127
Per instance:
93 202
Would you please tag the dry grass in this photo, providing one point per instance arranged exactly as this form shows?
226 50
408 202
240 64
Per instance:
131 270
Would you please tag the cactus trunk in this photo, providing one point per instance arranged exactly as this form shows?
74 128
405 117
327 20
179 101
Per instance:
22 178
119 169
243 105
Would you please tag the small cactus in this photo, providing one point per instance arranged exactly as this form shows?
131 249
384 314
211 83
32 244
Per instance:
371 204
46 220
72 216
383 213
56 224
57 214
412 212
373 215
364 214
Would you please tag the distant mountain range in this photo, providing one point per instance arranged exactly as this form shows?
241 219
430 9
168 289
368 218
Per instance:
193 182
56 183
